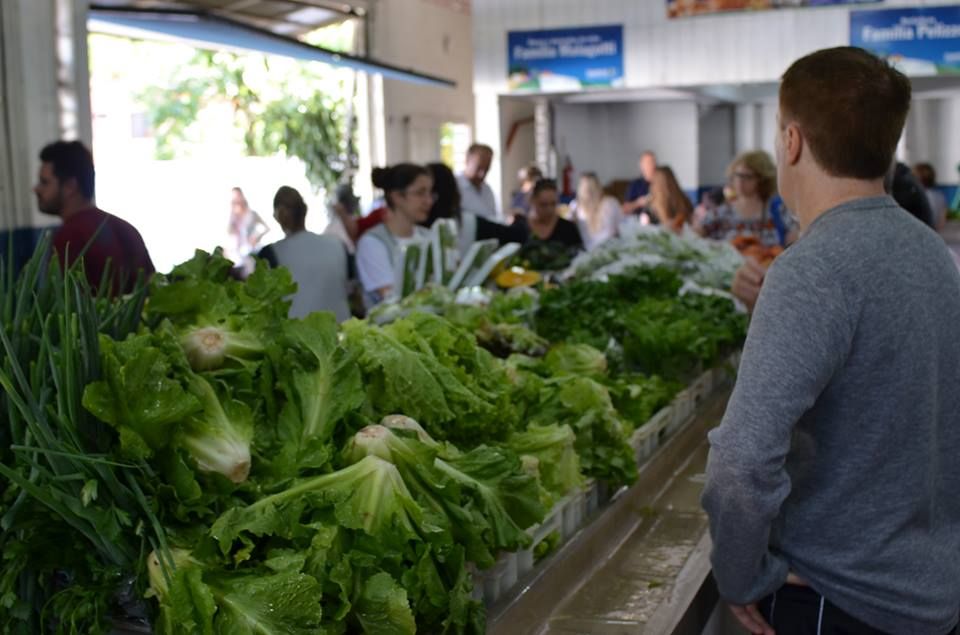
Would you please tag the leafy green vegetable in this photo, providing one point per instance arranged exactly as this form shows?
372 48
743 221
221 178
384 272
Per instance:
198 599
321 386
368 495
141 394
508 497
435 373
219 438
544 256
591 312
553 448
474 504
200 291
73 518
577 360
638 397
382 607
637 317
672 337
208 347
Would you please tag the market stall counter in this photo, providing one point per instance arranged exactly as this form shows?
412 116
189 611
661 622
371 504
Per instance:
641 566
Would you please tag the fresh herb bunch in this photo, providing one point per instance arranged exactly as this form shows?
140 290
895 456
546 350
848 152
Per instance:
75 521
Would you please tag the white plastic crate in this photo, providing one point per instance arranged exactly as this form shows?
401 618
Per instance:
572 514
683 409
500 578
591 499
644 442
491 582
552 523
700 389
646 439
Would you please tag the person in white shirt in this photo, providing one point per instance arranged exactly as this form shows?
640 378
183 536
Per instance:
597 215
319 264
475 195
408 191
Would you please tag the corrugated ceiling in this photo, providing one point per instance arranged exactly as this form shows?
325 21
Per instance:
284 17
221 24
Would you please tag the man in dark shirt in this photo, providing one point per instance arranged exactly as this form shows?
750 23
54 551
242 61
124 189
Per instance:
638 194
65 188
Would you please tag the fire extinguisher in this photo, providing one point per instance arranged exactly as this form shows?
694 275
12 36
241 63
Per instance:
568 178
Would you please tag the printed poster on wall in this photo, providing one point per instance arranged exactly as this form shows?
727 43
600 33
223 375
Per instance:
921 41
565 60
686 8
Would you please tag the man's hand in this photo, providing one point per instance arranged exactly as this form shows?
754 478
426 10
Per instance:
747 282
794 579
630 207
750 618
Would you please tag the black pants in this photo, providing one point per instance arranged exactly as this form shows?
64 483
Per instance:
796 610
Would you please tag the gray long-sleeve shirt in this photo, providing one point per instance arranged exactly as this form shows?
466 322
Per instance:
839 454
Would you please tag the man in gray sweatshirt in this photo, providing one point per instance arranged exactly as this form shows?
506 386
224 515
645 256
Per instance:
833 483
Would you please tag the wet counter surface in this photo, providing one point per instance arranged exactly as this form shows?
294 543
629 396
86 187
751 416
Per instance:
638 567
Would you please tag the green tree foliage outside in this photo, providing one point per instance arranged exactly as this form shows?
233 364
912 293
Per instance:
297 109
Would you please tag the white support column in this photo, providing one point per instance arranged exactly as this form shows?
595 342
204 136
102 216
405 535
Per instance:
44 95
541 137
748 127
74 70
29 104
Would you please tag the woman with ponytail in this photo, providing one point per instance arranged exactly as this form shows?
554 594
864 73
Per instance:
407 189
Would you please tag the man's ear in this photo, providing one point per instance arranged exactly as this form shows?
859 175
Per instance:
70 186
794 144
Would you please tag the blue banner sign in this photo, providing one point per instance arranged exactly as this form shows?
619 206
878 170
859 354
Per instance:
921 41
565 60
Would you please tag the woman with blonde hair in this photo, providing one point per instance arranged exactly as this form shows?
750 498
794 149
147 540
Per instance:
597 214
669 206
753 208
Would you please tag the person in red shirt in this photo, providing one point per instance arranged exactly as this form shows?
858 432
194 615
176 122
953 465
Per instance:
65 188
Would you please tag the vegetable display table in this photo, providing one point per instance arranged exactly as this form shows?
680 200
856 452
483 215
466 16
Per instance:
642 566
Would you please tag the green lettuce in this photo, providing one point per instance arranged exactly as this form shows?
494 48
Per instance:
485 496
553 447
575 359
219 437
200 599
382 607
141 394
321 386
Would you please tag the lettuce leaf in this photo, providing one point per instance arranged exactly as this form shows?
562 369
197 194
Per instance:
141 394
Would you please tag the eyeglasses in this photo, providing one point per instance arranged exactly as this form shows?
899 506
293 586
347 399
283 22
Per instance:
745 176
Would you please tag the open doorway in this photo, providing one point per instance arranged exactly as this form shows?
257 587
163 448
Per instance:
176 127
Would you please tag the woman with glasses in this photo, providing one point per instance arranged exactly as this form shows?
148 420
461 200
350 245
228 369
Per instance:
408 190
753 208
544 225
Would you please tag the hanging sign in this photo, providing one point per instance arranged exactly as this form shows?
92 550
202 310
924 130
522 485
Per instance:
921 41
565 60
